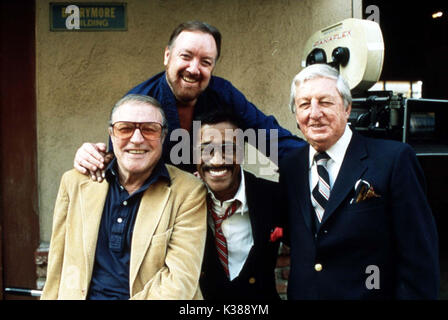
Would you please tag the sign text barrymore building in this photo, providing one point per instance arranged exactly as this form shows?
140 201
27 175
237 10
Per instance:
88 16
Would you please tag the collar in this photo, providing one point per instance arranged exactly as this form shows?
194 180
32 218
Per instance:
159 172
240 195
336 151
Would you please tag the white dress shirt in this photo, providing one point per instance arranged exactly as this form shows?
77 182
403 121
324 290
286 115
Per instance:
336 153
236 228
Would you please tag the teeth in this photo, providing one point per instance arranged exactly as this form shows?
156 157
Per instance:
137 151
189 80
217 172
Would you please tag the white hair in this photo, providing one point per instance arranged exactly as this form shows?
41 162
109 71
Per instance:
320 70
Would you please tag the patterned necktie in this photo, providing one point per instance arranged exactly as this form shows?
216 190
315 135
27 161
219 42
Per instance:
321 192
220 240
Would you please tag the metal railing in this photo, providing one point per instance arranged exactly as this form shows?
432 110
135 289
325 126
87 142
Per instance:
23 292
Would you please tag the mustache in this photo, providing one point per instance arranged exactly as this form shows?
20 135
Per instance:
189 75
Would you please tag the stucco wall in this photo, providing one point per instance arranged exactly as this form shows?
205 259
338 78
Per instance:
81 74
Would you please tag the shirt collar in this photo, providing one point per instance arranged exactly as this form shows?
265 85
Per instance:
240 195
159 171
336 151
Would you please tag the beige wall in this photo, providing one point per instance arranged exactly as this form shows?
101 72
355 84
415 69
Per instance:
81 74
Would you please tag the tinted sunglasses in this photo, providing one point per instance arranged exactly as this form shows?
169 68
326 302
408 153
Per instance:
149 130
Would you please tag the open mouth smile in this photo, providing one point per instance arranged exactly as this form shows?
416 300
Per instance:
189 80
218 172
137 151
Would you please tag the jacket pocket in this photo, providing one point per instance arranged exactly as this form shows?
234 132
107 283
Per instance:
158 247
367 205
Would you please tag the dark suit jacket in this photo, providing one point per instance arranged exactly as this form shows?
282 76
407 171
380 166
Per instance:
257 278
395 232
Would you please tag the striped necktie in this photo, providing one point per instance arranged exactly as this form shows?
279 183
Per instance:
321 192
220 240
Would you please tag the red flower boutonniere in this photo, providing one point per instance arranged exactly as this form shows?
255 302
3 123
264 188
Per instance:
276 234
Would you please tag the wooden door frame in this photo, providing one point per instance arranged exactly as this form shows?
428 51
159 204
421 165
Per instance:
19 219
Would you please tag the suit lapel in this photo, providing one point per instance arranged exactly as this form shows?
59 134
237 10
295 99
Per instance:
351 170
93 197
251 192
301 185
151 208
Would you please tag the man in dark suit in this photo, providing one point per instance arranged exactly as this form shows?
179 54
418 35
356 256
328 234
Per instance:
242 243
359 222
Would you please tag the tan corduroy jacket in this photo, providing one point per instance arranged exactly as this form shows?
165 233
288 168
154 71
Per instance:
167 244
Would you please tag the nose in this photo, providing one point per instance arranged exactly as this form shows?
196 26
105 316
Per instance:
137 137
315 109
193 67
217 158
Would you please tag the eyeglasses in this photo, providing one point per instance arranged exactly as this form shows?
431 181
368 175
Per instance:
226 150
149 130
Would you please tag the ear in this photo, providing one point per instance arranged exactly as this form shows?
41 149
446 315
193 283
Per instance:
111 133
166 56
296 116
348 110
164 134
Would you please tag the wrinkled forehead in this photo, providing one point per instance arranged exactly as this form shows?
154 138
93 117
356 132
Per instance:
196 41
317 86
217 133
136 111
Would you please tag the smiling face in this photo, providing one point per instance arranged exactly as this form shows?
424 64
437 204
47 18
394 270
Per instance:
320 112
189 64
136 156
219 165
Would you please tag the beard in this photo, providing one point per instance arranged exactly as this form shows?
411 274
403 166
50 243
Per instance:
185 91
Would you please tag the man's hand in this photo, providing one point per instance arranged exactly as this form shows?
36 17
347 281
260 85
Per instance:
91 159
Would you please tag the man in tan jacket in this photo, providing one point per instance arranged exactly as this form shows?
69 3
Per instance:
139 236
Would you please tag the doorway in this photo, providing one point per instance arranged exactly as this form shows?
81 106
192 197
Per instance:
19 219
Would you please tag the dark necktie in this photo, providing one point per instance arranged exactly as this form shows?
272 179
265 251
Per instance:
321 192
220 240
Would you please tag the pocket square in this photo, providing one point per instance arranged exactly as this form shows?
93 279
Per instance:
363 191
276 234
